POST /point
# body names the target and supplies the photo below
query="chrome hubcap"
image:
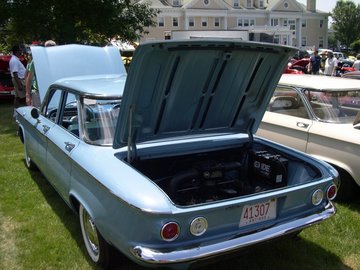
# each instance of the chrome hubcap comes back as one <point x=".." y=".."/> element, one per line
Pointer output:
<point x="90" y="230"/>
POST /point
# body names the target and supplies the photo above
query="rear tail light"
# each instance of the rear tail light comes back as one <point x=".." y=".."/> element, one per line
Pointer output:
<point x="170" y="231"/>
<point x="317" y="197"/>
<point x="331" y="192"/>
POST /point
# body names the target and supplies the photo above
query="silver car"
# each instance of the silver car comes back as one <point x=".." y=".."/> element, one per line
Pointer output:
<point x="162" y="163"/>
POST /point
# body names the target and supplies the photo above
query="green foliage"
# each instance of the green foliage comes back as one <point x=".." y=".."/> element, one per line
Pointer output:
<point x="346" y="16"/>
<point x="4" y="48"/>
<point x="77" y="21"/>
<point x="332" y="42"/>
<point x="4" y="12"/>
<point x="355" y="45"/>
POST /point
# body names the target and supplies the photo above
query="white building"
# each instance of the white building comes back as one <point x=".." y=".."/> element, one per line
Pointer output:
<point x="285" y="22"/>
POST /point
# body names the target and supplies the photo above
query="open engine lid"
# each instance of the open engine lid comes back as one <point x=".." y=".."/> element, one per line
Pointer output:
<point x="197" y="87"/>
<point x="58" y="62"/>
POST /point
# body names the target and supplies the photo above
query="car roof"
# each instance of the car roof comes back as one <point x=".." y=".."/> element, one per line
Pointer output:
<point x="317" y="82"/>
<point x="101" y="86"/>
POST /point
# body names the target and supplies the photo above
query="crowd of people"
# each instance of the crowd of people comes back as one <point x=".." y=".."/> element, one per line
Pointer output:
<point x="24" y="78"/>
<point x="327" y="64"/>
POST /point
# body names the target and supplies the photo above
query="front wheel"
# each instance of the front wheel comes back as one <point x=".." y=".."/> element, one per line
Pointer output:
<point x="96" y="246"/>
<point x="28" y="162"/>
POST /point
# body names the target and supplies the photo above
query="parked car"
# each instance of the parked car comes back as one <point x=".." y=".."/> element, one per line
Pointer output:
<point x="161" y="163"/>
<point x="352" y="75"/>
<point x="344" y="66"/>
<point x="339" y="55"/>
<point x="299" y="65"/>
<point x="319" y="115"/>
<point x="6" y="85"/>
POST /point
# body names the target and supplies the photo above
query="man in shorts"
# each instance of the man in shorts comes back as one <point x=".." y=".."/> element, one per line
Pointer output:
<point x="17" y="71"/>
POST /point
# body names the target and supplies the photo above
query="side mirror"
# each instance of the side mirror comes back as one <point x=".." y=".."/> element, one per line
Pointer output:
<point x="35" y="113"/>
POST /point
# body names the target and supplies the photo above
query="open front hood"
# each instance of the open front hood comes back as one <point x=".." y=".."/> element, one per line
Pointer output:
<point x="58" y="62"/>
<point x="193" y="87"/>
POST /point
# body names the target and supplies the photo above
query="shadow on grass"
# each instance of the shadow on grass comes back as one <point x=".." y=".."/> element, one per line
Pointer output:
<point x="70" y="220"/>
<point x="288" y="253"/>
<point x="7" y="121"/>
<point x="354" y="203"/>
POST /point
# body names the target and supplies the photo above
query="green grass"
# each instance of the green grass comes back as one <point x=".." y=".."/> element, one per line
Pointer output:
<point x="39" y="231"/>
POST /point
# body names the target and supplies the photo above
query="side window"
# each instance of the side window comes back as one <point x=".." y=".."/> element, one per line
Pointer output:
<point x="69" y="116"/>
<point x="287" y="101"/>
<point x="52" y="108"/>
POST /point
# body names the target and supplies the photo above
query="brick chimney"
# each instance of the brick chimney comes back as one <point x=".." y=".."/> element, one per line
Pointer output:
<point x="311" y="5"/>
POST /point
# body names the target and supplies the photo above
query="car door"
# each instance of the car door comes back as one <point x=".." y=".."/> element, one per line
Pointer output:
<point x="61" y="143"/>
<point x="36" y="135"/>
<point x="286" y="120"/>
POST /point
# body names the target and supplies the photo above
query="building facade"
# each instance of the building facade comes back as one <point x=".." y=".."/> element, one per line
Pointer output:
<point x="285" y="22"/>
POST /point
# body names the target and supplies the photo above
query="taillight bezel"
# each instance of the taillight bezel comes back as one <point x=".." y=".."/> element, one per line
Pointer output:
<point x="163" y="232"/>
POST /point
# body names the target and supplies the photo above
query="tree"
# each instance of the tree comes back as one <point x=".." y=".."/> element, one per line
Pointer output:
<point x="78" y="21"/>
<point x="356" y="45"/>
<point x="346" y="16"/>
<point x="4" y="12"/>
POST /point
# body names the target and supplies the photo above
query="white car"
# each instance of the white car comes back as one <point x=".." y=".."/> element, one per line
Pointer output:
<point x="319" y="115"/>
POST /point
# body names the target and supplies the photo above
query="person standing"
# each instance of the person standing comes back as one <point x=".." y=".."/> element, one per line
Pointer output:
<point x="32" y="93"/>
<point x="356" y="64"/>
<point x="17" y="71"/>
<point x="315" y="63"/>
<point x="330" y="65"/>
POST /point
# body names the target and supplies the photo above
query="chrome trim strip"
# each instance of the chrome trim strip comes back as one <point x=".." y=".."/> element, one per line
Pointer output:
<point x="153" y="256"/>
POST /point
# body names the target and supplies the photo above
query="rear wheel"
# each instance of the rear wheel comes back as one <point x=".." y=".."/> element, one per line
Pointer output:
<point x="96" y="246"/>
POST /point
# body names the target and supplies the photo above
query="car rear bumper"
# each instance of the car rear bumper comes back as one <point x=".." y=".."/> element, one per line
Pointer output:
<point x="152" y="256"/>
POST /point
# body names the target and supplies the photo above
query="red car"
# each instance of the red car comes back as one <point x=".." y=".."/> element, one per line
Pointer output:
<point x="6" y="86"/>
<point x="296" y="66"/>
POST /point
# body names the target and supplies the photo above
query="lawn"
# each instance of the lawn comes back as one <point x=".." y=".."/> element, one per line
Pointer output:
<point x="39" y="231"/>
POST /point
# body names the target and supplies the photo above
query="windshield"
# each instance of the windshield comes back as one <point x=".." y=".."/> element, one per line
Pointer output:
<point x="335" y="106"/>
<point x="100" y="117"/>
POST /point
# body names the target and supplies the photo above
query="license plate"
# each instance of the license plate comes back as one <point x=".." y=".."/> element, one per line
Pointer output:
<point x="259" y="212"/>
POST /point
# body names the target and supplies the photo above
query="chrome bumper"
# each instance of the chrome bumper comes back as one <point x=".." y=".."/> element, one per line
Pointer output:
<point x="153" y="256"/>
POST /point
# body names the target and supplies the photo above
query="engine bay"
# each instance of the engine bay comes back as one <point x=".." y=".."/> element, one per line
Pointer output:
<point x="224" y="174"/>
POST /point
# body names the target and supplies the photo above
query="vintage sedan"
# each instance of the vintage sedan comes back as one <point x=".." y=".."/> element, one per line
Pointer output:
<point x="162" y="163"/>
<point x="319" y="115"/>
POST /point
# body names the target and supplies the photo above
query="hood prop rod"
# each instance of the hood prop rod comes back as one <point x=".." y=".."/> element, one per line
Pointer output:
<point x="131" y="148"/>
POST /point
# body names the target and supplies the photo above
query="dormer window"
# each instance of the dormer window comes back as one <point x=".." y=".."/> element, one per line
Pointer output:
<point x="236" y="3"/>
<point x="176" y="2"/>
<point x="249" y="4"/>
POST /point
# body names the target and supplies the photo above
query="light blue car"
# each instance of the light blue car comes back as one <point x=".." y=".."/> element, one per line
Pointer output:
<point x="161" y="163"/>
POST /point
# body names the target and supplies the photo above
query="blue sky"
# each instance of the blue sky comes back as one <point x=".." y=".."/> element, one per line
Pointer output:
<point x="326" y="5"/>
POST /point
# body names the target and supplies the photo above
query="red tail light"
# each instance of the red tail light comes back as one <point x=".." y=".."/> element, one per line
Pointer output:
<point x="170" y="231"/>
<point x="331" y="192"/>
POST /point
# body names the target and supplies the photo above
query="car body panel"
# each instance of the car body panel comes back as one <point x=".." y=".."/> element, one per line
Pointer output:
<point x="177" y="174"/>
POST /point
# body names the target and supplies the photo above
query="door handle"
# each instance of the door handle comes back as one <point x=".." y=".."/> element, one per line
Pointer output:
<point x="69" y="146"/>
<point x="302" y="125"/>
<point x="45" y="128"/>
